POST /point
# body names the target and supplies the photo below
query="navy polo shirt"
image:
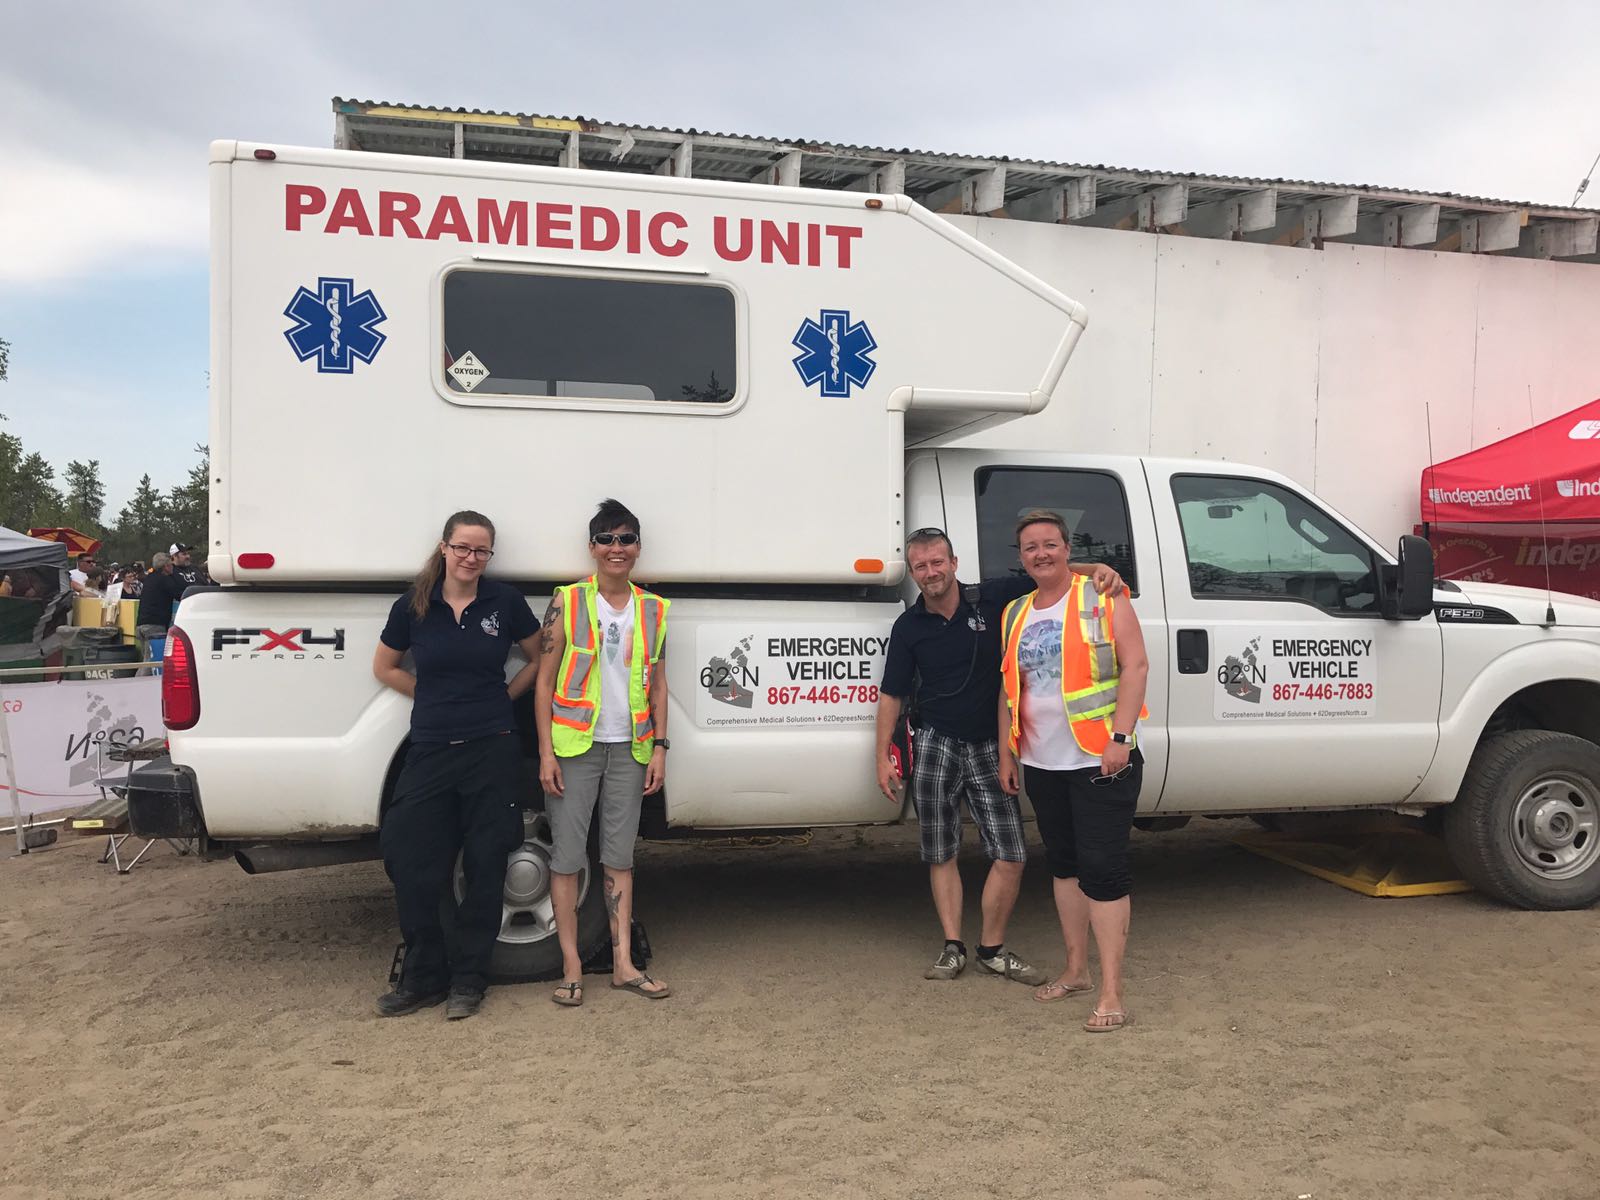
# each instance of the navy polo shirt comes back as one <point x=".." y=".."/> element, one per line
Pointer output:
<point x="461" y="666"/>
<point x="954" y="665"/>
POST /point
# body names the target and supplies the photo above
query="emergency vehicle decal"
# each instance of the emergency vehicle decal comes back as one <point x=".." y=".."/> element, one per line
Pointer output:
<point x="335" y="325"/>
<point x="789" y="675"/>
<point x="1289" y="678"/>
<point x="834" y="352"/>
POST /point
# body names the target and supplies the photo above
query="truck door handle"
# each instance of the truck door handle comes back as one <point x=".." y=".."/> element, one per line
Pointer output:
<point x="1193" y="652"/>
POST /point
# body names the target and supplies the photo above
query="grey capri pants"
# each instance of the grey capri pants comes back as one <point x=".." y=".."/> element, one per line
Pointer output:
<point x="607" y="776"/>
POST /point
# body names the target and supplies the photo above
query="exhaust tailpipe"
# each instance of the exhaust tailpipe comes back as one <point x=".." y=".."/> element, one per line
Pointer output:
<point x="296" y="856"/>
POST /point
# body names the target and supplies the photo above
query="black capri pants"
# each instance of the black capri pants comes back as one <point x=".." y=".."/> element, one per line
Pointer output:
<point x="1086" y="825"/>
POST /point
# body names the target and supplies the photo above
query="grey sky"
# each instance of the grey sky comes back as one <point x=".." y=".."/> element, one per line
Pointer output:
<point x="110" y="107"/>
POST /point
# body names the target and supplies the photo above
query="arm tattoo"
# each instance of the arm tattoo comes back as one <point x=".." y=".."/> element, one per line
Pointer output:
<point x="548" y="627"/>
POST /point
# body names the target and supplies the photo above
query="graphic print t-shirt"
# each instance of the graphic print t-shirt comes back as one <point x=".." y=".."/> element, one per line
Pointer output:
<point x="1047" y="739"/>
<point x="615" y="721"/>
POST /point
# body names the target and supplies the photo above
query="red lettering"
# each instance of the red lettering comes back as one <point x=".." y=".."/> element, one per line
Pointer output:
<point x="843" y="235"/>
<point x="552" y="229"/>
<point x="590" y="221"/>
<point x="398" y="209"/>
<point x="719" y="234"/>
<point x="301" y="200"/>
<point x="448" y="218"/>
<point x="786" y="245"/>
<point x="659" y="244"/>
<point x="633" y="231"/>
<point x="813" y="245"/>
<point x="348" y="213"/>
<point x="503" y="227"/>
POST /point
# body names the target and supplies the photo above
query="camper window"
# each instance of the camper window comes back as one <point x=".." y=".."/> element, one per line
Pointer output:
<point x="588" y="339"/>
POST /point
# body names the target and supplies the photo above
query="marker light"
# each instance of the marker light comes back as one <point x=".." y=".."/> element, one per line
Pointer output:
<point x="266" y="155"/>
<point x="873" y="203"/>
<point x="254" y="562"/>
<point x="869" y="566"/>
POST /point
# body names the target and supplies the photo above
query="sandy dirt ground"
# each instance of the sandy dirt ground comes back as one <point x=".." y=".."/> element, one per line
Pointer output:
<point x="189" y="1031"/>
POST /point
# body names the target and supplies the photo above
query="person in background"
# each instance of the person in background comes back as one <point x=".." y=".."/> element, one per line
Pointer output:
<point x="464" y="779"/>
<point x="79" y="574"/>
<point x="94" y="583"/>
<point x="132" y="581"/>
<point x="943" y="660"/>
<point x="183" y="567"/>
<point x="602" y="721"/>
<point x="1073" y="673"/>
<point x="160" y="594"/>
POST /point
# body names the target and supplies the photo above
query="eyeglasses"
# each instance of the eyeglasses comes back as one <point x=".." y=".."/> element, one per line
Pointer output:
<point x="463" y="551"/>
<point x="927" y="531"/>
<point x="621" y="539"/>
<point x="1109" y="779"/>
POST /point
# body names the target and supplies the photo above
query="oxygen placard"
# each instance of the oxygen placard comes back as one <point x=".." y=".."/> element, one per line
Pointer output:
<point x="778" y="676"/>
<point x="1288" y="678"/>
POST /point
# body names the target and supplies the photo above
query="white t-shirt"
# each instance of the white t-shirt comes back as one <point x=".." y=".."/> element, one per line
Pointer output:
<point x="614" y="723"/>
<point x="1047" y="739"/>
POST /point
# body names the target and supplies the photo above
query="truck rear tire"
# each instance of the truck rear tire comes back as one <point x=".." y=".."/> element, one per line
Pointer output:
<point x="527" y="949"/>
<point x="1525" y="827"/>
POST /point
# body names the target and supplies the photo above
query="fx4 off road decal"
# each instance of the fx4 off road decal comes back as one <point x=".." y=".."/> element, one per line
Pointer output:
<point x="296" y="645"/>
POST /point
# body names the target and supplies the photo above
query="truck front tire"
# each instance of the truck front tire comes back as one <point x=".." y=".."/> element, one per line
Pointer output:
<point x="1525" y="828"/>
<point x="527" y="949"/>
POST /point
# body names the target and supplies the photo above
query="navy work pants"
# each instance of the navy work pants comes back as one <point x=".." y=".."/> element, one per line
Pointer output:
<point x="461" y="798"/>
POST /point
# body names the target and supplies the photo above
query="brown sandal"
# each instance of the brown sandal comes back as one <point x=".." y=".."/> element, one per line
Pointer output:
<point x="639" y="985"/>
<point x="1121" y="1016"/>
<point x="573" y="997"/>
<point x="1056" y="990"/>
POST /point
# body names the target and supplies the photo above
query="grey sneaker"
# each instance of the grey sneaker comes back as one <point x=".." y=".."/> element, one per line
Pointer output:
<point x="1009" y="966"/>
<point x="950" y="963"/>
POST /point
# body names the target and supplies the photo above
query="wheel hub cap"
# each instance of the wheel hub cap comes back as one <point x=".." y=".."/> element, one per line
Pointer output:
<point x="1555" y="826"/>
<point x="527" y="876"/>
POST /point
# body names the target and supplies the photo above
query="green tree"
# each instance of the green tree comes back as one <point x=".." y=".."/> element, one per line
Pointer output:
<point x="85" y="496"/>
<point x="188" y="505"/>
<point x="32" y="498"/>
<point x="141" y="527"/>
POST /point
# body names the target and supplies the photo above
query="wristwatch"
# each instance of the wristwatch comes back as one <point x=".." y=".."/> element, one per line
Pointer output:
<point x="1126" y="739"/>
<point x="664" y="743"/>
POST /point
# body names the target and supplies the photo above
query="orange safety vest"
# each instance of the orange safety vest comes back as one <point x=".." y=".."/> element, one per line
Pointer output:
<point x="1088" y="665"/>
<point x="577" y="694"/>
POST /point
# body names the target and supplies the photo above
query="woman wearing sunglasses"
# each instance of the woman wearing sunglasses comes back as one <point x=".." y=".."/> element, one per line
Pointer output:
<point x="601" y="709"/>
<point x="1074" y="671"/>
<point x="463" y="781"/>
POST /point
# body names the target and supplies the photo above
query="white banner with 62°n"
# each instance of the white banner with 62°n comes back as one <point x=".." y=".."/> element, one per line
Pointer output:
<point x="60" y="733"/>
<point x="775" y="676"/>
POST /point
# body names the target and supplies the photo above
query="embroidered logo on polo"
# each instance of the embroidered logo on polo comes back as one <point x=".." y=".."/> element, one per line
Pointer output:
<point x="336" y="325"/>
<point x="834" y="352"/>
<point x="491" y="624"/>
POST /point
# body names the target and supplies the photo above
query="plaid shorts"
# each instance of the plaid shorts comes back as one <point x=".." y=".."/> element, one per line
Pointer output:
<point x="945" y="769"/>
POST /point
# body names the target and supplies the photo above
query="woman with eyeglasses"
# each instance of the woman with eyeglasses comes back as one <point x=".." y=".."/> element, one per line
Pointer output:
<point x="461" y="787"/>
<point x="1073" y="676"/>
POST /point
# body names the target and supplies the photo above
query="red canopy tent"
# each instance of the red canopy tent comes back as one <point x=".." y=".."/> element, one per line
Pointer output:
<point x="75" y="542"/>
<point x="1522" y="507"/>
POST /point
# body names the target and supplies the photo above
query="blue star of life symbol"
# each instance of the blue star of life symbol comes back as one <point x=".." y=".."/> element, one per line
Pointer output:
<point x="834" y="352"/>
<point x="335" y="324"/>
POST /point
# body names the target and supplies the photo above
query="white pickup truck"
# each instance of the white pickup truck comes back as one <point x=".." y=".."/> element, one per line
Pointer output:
<point x="1295" y="665"/>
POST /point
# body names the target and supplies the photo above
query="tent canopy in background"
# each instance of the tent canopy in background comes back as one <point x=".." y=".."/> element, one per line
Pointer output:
<point x="75" y="542"/>
<point x="1524" y="510"/>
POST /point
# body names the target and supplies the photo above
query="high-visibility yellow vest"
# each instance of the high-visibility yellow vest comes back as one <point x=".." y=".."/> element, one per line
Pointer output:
<point x="1089" y="668"/>
<point x="577" y="694"/>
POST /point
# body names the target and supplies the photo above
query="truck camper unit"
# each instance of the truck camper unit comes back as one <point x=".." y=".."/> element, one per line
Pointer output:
<point x="399" y="337"/>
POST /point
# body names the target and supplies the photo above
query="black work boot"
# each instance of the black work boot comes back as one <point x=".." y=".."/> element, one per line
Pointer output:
<point x="402" y="1001"/>
<point x="464" y="1002"/>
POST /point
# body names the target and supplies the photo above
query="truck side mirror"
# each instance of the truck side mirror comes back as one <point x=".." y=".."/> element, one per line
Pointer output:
<point x="1414" y="582"/>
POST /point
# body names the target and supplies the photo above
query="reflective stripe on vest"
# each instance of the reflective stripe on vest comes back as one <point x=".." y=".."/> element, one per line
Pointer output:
<point x="1089" y="675"/>
<point x="576" y="704"/>
<point x="573" y="707"/>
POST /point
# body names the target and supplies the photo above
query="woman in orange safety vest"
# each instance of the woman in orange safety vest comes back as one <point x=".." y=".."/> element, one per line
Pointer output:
<point x="1074" y="673"/>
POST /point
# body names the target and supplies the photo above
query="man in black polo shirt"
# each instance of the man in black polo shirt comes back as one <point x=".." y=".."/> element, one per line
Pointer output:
<point x="946" y="647"/>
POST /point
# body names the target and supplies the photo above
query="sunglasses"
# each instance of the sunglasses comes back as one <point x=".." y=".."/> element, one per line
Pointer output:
<point x="621" y="539"/>
<point x="1098" y="780"/>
